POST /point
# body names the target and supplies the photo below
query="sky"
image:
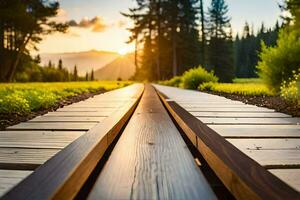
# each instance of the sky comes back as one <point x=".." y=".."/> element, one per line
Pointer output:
<point x="98" y="24"/>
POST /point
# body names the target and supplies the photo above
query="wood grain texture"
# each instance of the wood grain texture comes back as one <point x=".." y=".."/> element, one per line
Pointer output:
<point x="61" y="126"/>
<point x="257" y="131"/>
<point x="25" y="159"/>
<point x="240" y="114"/>
<point x="291" y="176"/>
<point x="80" y="114"/>
<point x="10" y="178"/>
<point x="245" y="178"/>
<point x="249" y="121"/>
<point x="233" y="110"/>
<point x="38" y="139"/>
<point x="151" y="160"/>
<point x="62" y="176"/>
<point x="67" y="119"/>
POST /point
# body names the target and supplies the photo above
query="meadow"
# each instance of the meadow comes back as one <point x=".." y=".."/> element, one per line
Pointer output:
<point x="247" y="87"/>
<point x="28" y="97"/>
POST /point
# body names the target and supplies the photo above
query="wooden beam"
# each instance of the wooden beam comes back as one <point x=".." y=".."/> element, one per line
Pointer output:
<point x="243" y="177"/>
<point x="63" y="175"/>
<point x="151" y="160"/>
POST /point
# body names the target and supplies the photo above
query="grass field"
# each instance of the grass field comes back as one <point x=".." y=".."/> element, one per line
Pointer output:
<point x="27" y="97"/>
<point x="242" y="88"/>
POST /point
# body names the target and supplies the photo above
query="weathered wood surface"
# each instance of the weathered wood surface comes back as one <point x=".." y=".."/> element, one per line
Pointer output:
<point x="9" y="178"/>
<point x="61" y="126"/>
<point x="291" y="176"/>
<point x="23" y="158"/>
<point x="214" y="109"/>
<point x="244" y="177"/>
<point x="67" y="119"/>
<point x="240" y="114"/>
<point x="80" y="114"/>
<point x="38" y="139"/>
<point x="249" y="121"/>
<point x="257" y="131"/>
<point x="151" y="160"/>
<point x="63" y="175"/>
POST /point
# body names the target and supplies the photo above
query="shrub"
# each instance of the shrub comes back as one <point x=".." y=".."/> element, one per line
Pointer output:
<point x="175" y="81"/>
<point x="192" y="78"/>
<point x="290" y="90"/>
<point x="278" y="63"/>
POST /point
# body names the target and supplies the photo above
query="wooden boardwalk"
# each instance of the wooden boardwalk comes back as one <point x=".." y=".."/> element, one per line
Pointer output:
<point x="271" y="139"/>
<point x="26" y="146"/>
<point x="125" y="145"/>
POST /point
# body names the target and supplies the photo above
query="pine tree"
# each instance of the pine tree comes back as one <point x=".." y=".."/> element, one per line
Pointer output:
<point x="220" y="43"/>
<point x="75" y="73"/>
<point x="60" y="64"/>
<point x="92" y="75"/>
<point x="87" y="76"/>
<point x="170" y="37"/>
<point x="50" y="65"/>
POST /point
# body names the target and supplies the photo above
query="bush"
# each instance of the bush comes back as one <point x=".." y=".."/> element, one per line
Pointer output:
<point x="290" y="90"/>
<point x="175" y="81"/>
<point x="192" y="78"/>
<point x="278" y="63"/>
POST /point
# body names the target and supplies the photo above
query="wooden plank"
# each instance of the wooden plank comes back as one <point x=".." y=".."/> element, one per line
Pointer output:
<point x="221" y="105"/>
<point x="23" y="158"/>
<point x="156" y="164"/>
<point x="38" y="139"/>
<point x="249" y="121"/>
<point x="243" y="177"/>
<point x="80" y="114"/>
<point x="271" y="159"/>
<point x="257" y="131"/>
<point x="10" y="178"/>
<point x="266" y="144"/>
<point x="240" y="114"/>
<point x="80" y="109"/>
<point x="290" y="176"/>
<point x="66" y="119"/>
<point x="62" y="126"/>
<point x="239" y="110"/>
<point x="71" y="167"/>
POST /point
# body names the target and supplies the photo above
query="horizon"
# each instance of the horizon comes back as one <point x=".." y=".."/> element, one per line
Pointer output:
<point x="97" y="23"/>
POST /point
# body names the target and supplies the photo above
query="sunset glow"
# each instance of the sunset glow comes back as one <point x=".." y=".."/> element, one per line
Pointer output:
<point x="99" y="25"/>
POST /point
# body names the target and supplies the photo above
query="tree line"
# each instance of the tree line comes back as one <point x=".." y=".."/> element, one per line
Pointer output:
<point x="176" y="35"/>
<point x="33" y="71"/>
<point x="247" y="48"/>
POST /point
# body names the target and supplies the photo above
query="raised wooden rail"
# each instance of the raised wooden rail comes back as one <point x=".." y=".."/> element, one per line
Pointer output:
<point x="243" y="177"/>
<point x="63" y="176"/>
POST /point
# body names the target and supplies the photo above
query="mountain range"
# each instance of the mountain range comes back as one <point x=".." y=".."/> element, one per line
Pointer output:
<point x="85" y="61"/>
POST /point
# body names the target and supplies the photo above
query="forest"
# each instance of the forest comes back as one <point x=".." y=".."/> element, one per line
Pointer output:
<point x="174" y="36"/>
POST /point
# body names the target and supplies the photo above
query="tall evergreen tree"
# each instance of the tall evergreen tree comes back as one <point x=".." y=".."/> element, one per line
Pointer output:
<point x="24" y="22"/>
<point x="170" y="37"/>
<point x="75" y="74"/>
<point x="92" y="75"/>
<point x="60" y="64"/>
<point x="86" y="76"/>
<point x="220" y="41"/>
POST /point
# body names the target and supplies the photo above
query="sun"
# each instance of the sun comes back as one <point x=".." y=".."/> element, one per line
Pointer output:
<point x="123" y="51"/>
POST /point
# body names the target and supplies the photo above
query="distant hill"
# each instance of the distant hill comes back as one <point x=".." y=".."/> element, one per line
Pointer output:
<point x="122" y="67"/>
<point x="85" y="61"/>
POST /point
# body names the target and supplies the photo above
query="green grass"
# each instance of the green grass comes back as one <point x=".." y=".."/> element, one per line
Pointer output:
<point x="27" y="97"/>
<point x="249" y="89"/>
<point x="247" y="80"/>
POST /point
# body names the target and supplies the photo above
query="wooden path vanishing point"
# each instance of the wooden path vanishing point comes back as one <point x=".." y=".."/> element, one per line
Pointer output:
<point x="153" y="142"/>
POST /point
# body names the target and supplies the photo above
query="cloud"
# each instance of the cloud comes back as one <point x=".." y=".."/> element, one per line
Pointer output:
<point x="122" y="24"/>
<point x="62" y="16"/>
<point x="96" y="24"/>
